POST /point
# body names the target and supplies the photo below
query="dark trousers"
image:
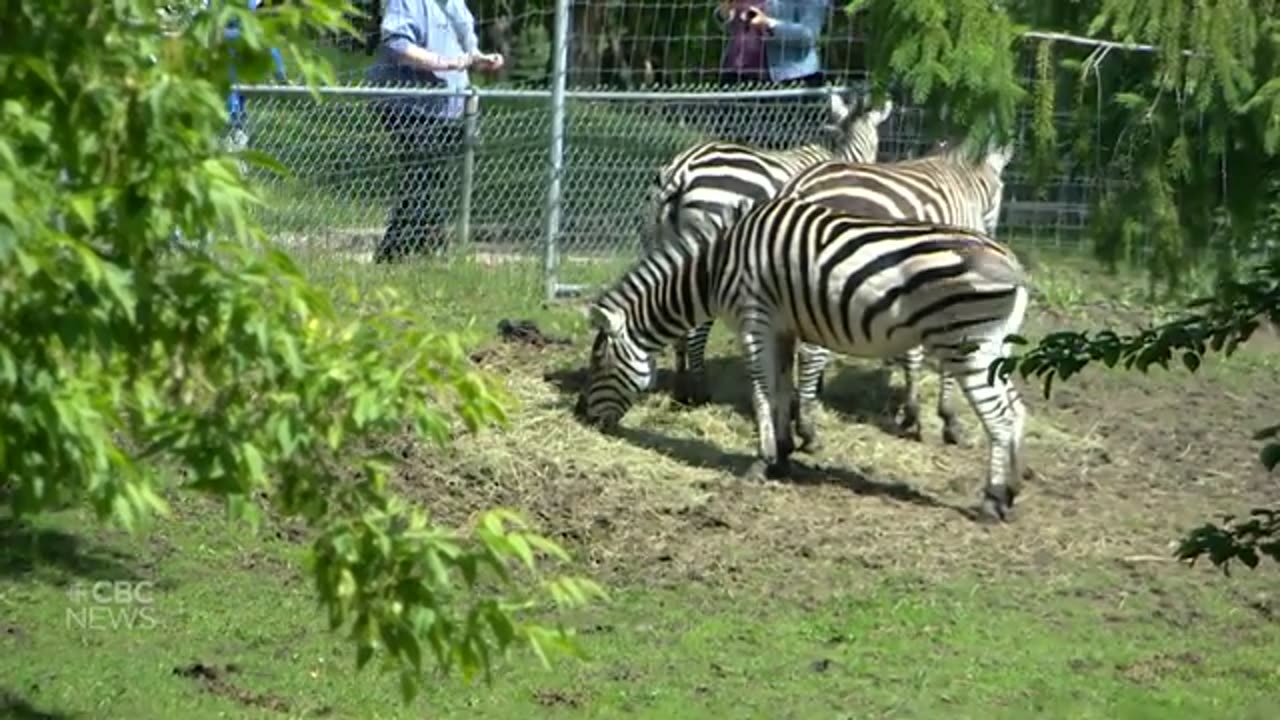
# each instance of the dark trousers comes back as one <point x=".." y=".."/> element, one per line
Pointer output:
<point x="427" y="151"/>
<point x="772" y="122"/>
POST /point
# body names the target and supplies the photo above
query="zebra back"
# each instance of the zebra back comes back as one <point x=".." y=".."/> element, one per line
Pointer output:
<point x="710" y="176"/>
<point x="850" y="283"/>
<point x="943" y="187"/>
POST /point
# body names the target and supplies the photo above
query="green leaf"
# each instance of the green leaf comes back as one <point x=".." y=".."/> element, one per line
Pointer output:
<point x="83" y="208"/>
<point x="1267" y="432"/>
<point x="1191" y="361"/>
<point x="409" y="686"/>
<point x="520" y="547"/>
<point x="1270" y="456"/>
<point x="253" y="462"/>
<point x="263" y="161"/>
<point x="364" y="653"/>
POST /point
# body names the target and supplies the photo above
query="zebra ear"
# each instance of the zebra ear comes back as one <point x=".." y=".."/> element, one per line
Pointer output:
<point x="882" y="113"/>
<point x="839" y="108"/>
<point x="999" y="156"/>
<point x="610" y="321"/>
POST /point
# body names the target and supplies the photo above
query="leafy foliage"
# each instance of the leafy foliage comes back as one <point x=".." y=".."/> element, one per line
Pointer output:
<point x="1245" y="541"/>
<point x="126" y="350"/>
<point x="1185" y="133"/>
<point x="956" y="59"/>
<point x="1221" y="322"/>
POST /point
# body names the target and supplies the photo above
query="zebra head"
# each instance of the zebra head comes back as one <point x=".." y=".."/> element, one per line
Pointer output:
<point x="856" y="128"/>
<point x="619" y="370"/>
<point x="998" y="156"/>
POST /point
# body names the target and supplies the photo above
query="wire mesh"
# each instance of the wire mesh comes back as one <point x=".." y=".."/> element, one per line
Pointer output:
<point x="349" y="174"/>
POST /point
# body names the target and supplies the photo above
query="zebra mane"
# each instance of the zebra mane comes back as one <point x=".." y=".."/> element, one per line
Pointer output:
<point x="960" y="151"/>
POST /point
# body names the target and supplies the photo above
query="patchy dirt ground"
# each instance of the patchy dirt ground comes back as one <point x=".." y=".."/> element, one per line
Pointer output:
<point x="1125" y="465"/>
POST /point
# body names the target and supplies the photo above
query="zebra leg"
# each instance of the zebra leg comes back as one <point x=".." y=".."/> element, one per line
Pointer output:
<point x="951" y="433"/>
<point x="785" y="397"/>
<point x="909" y="426"/>
<point x="1003" y="418"/>
<point x="681" y="368"/>
<point x="759" y="347"/>
<point x="813" y="362"/>
<point x="1018" y="468"/>
<point x="691" y="382"/>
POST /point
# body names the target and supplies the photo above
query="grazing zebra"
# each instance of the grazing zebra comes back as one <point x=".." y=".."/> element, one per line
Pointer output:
<point x="946" y="187"/>
<point x="790" y="270"/>
<point x="715" y="176"/>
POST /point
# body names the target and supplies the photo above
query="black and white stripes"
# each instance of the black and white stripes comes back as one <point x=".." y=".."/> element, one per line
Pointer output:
<point x="712" y="177"/>
<point x="947" y="187"/>
<point x="791" y="270"/>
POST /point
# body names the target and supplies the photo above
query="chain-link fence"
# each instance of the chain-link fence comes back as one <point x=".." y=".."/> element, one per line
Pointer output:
<point x="498" y="186"/>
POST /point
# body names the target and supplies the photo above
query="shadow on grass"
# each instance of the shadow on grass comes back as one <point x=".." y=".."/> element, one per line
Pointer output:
<point x="25" y="550"/>
<point x="15" y="707"/>
<point x="857" y="393"/>
<point x="697" y="453"/>
<point x="853" y="393"/>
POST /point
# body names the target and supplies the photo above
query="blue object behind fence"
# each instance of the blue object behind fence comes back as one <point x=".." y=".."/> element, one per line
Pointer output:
<point x="235" y="101"/>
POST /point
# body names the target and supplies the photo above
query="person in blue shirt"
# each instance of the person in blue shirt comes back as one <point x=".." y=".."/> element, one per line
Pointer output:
<point x="425" y="43"/>
<point x="238" y="131"/>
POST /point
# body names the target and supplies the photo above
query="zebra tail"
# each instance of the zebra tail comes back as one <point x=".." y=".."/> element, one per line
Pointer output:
<point x="1001" y="266"/>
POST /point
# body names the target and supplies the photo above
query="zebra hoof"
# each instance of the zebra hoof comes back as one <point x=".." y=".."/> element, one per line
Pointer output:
<point x="909" y="426"/>
<point x="997" y="504"/>
<point x="951" y="436"/>
<point x="809" y="442"/>
<point x="911" y="432"/>
<point x="757" y="473"/>
<point x="762" y="471"/>
<point x="786" y="447"/>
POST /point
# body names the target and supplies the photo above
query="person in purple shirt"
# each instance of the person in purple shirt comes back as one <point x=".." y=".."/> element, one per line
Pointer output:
<point x="772" y="43"/>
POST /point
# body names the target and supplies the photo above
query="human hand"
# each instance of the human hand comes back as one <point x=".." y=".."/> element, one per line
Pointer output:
<point x="758" y="21"/>
<point x="488" y="62"/>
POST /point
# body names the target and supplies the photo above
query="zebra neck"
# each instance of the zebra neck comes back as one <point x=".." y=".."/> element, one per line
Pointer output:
<point x="666" y="296"/>
<point x="825" y="149"/>
<point x="848" y="151"/>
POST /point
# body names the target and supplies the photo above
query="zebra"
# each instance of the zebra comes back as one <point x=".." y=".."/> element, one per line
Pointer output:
<point x="943" y="187"/>
<point x="790" y="270"/>
<point x="713" y="176"/>
<point x="946" y="187"/>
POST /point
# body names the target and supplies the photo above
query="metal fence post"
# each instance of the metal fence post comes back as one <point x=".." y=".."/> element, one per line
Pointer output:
<point x="559" y="70"/>
<point x="470" y="134"/>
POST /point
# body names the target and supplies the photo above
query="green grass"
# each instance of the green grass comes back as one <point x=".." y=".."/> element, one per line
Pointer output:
<point x="1085" y="644"/>
<point x="855" y="592"/>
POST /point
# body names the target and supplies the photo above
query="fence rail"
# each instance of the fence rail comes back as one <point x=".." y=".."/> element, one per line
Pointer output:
<point x="518" y="194"/>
